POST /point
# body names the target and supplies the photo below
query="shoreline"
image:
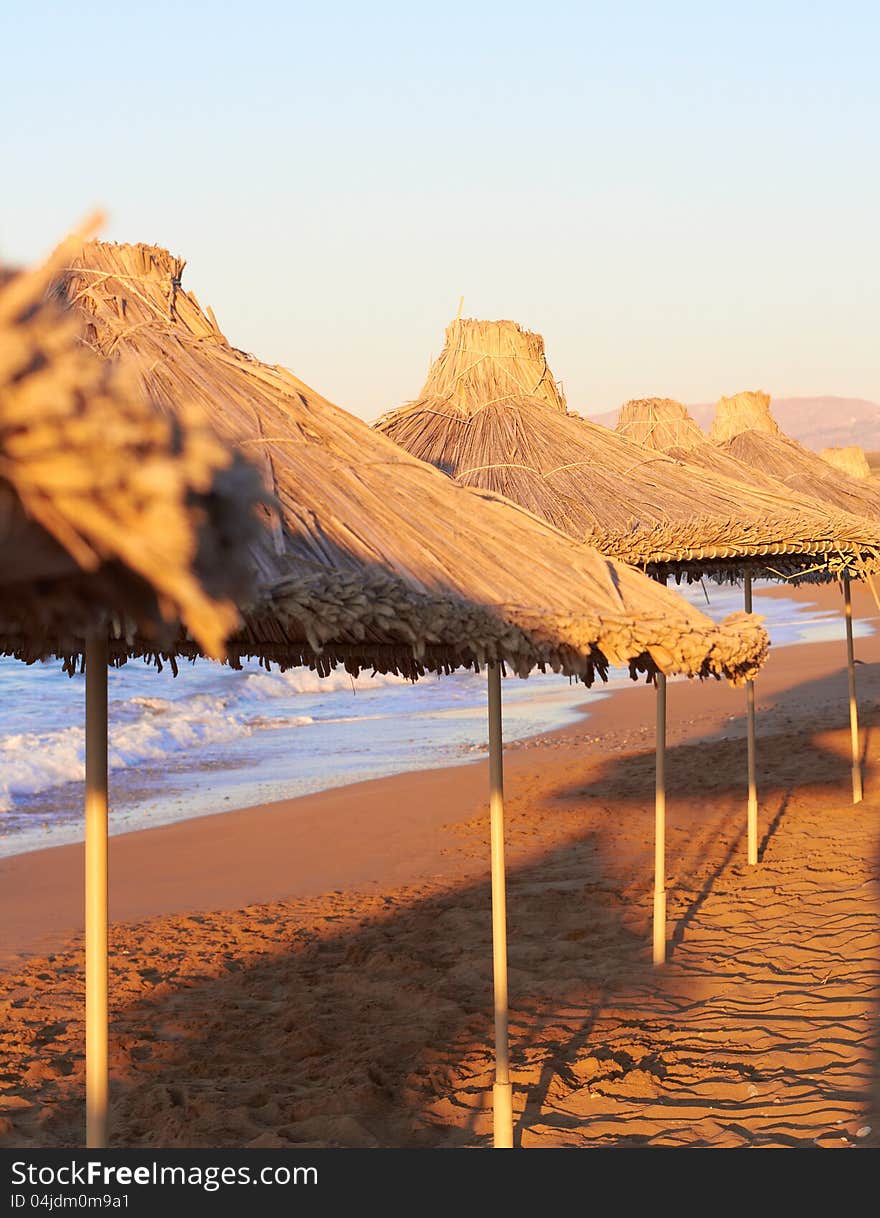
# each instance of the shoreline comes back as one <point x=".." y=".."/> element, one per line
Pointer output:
<point x="381" y="832"/>
<point x="258" y="770"/>
<point x="154" y="808"/>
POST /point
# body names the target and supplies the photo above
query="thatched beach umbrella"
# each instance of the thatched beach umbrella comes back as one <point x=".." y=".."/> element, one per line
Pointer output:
<point x="665" y="425"/>
<point x="491" y="416"/>
<point x="852" y="460"/>
<point x="849" y="460"/>
<point x="744" y="427"/>
<point x="810" y="488"/>
<point x="659" y="423"/>
<point x="374" y="559"/>
<point x="492" y="424"/>
<point x="351" y="510"/>
<point x="113" y="518"/>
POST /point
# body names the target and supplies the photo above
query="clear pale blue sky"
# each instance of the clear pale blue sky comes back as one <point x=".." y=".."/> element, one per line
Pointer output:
<point x="683" y="198"/>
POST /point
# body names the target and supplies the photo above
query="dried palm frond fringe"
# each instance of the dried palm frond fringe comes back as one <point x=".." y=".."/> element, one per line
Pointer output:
<point x="644" y="508"/>
<point x="107" y="504"/>
<point x="383" y="627"/>
<point x="370" y="558"/>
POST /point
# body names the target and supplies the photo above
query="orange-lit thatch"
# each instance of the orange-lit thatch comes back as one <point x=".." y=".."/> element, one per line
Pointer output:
<point x="493" y="425"/>
<point x="666" y="425"/>
<point x="107" y="505"/>
<point x="660" y="423"/>
<point x="850" y="460"/>
<point x="745" y="428"/>
<point x="374" y="558"/>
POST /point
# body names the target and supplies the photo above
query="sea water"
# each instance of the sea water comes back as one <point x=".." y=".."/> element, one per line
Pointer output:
<point x="212" y="739"/>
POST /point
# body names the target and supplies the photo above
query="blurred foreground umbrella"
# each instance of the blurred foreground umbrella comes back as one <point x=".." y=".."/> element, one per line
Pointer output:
<point x="114" y="518"/>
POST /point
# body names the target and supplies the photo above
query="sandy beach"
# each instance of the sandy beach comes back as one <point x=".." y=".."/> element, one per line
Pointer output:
<point x="317" y="971"/>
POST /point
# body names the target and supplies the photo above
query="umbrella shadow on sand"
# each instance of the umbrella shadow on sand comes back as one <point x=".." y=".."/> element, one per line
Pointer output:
<point x="803" y="920"/>
<point x="350" y="1021"/>
<point x="803" y="753"/>
<point x="363" y="1020"/>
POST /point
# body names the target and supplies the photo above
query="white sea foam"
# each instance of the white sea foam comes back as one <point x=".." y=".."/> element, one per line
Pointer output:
<point x="304" y="681"/>
<point x="145" y="728"/>
<point x="141" y="730"/>
<point x="32" y="762"/>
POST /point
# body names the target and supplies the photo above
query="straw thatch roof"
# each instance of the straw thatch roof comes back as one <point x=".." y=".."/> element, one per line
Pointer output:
<point x="107" y="506"/>
<point x="374" y="558"/>
<point x="745" y="428"/>
<point x="666" y="425"/>
<point x="491" y="361"/>
<point x="484" y="430"/>
<point x="747" y="411"/>
<point x="850" y="460"/>
<point x="659" y="423"/>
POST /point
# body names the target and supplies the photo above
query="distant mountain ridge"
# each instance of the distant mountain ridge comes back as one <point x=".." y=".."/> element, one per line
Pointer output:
<point x="822" y="422"/>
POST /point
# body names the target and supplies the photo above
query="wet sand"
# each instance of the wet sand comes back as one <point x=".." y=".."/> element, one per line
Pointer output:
<point x="316" y="971"/>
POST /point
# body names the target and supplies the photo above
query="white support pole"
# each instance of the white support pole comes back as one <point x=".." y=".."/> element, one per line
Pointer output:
<point x="97" y="1088"/>
<point x="853" y="704"/>
<point x="660" y="826"/>
<point x="750" y="735"/>
<point x="502" y="1091"/>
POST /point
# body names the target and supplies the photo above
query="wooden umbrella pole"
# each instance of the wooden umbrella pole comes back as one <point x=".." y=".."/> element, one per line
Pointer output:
<point x="853" y="704"/>
<point x="660" y="826"/>
<point x="502" y="1092"/>
<point x="750" y="734"/>
<point x="97" y="1088"/>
